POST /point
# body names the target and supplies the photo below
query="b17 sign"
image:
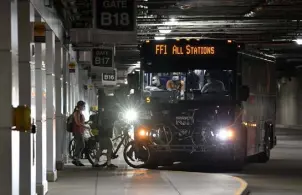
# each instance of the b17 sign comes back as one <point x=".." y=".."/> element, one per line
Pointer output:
<point x="116" y="18"/>
<point x="102" y="57"/>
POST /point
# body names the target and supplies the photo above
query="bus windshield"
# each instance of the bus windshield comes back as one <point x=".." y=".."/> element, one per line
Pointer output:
<point x="190" y="85"/>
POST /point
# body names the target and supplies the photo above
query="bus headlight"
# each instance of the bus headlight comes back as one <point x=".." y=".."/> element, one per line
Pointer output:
<point x="225" y="134"/>
<point x="130" y="115"/>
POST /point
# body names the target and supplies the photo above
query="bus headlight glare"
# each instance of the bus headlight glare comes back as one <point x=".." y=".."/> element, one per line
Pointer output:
<point x="130" y="115"/>
<point x="225" y="134"/>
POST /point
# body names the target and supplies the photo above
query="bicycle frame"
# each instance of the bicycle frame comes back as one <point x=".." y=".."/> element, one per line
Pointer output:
<point x="124" y="136"/>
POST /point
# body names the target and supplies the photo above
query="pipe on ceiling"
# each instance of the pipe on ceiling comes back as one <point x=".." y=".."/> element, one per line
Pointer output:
<point x="260" y="56"/>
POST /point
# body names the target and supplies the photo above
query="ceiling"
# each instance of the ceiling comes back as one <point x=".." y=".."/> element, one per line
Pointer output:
<point x="266" y="26"/>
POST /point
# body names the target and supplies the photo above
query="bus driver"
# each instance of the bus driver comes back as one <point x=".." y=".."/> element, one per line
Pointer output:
<point x="213" y="85"/>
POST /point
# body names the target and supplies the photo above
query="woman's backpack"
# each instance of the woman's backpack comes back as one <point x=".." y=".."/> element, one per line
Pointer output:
<point x="69" y="124"/>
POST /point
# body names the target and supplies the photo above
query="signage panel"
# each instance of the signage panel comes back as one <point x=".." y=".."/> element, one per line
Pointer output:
<point x="116" y="18"/>
<point x="72" y="67"/>
<point x="39" y="32"/>
<point x="109" y="78"/>
<point x="187" y="49"/>
<point x="180" y="55"/>
<point x="102" y="57"/>
<point x="115" y="15"/>
<point x="84" y="17"/>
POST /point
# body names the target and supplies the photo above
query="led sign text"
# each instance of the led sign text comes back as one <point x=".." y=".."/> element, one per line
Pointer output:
<point x="163" y="49"/>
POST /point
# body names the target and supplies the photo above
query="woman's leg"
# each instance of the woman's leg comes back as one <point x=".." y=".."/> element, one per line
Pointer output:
<point x="109" y="153"/>
<point x="80" y="145"/>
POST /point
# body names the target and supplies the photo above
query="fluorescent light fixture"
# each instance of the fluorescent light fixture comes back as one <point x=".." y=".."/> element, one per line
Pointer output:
<point x="164" y="31"/>
<point x="138" y="64"/>
<point x="159" y="38"/>
<point x="172" y="20"/>
<point x="299" y="41"/>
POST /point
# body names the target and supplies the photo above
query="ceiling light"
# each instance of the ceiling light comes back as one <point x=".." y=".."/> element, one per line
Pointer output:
<point x="299" y="41"/>
<point x="164" y="31"/>
<point x="138" y="64"/>
<point x="160" y="38"/>
<point x="172" y="20"/>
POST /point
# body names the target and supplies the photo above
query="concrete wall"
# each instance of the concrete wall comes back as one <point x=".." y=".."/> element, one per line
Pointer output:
<point x="289" y="102"/>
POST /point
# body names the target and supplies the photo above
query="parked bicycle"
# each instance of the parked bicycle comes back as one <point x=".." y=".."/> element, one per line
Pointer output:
<point x="89" y="152"/>
<point x="92" y="145"/>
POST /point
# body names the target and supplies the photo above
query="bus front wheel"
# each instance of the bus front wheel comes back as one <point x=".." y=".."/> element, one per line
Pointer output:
<point x="264" y="156"/>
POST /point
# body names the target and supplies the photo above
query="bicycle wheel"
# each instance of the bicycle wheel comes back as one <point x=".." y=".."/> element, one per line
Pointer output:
<point x="136" y="153"/>
<point x="202" y="136"/>
<point x="71" y="148"/>
<point x="164" y="133"/>
<point x="91" y="153"/>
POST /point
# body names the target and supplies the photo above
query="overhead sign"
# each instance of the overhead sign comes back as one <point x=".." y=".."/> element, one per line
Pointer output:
<point x="178" y="55"/>
<point x="84" y="17"/>
<point x="164" y="49"/>
<point x="109" y="78"/>
<point x="72" y="67"/>
<point x="188" y="48"/>
<point x="39" y="32"/>
<point x="116" y="18"/>
<point x="102" y="57"/>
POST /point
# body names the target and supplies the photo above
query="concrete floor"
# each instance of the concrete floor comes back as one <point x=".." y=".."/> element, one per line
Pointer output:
<point x="282" y="175"/>
<point x="91" y="181"/>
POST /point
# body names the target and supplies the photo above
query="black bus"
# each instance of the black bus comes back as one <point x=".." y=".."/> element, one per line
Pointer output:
<point x="203" y="100"/>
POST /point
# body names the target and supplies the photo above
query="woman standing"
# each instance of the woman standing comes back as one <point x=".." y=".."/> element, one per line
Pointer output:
<point x="78" y="130"/>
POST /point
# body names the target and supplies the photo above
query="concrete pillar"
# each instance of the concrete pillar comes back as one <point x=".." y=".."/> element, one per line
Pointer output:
<point x="42" y="184"/>
<point x="60" y="128"/>
<point x="9" y="140"/>
<point x="69" y="93"/>
<point x="50" y="106"/>
<point x="68" y="84"/>
<point x="72" y="88"/>
<point x="66" y="111"/>
<point x="27" y="140"/>
<point x="288" y="103"/>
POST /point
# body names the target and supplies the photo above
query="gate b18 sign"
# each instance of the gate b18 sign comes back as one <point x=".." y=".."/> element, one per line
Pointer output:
<point x="116" y="17"/>
<point x="102" y="57"/>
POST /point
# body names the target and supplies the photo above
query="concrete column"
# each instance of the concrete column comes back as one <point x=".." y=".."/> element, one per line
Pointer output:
<point x="27" y="140"/>
<point x="42" y="184"/>
<point x="60" y="128"/>
<point x="69" y="93"/>
<point x="50" y="106"/>
<point x="288" y="103"/>
<point x="66" y="111"/>
<point x="9" y="140"/>
<point x="71" y="87"/>
<point x="67" y="83"/>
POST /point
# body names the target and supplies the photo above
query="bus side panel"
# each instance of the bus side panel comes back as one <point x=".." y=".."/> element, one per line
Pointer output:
<point x="260" y="108"/>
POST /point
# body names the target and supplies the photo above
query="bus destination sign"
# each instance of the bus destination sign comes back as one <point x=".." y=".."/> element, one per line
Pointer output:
<point x="187" y="49"/>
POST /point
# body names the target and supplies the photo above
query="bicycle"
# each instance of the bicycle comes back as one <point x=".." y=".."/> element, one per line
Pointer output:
<point x="124" y="138"/>
<point x="163" y="137"/>
<point x="179" y="134"/>
<point x="88" y="152"/>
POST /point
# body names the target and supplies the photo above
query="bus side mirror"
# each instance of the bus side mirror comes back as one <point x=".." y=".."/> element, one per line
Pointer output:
<point x="244" y="93"/>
